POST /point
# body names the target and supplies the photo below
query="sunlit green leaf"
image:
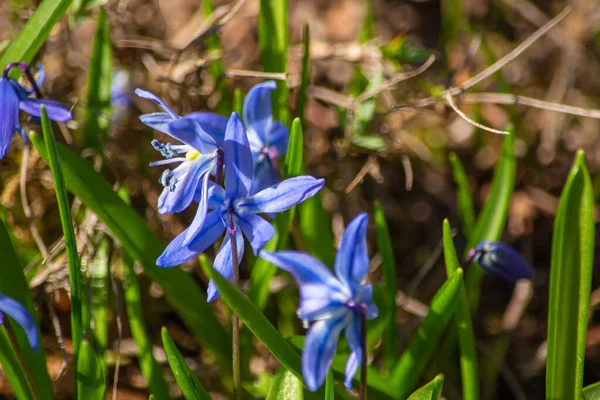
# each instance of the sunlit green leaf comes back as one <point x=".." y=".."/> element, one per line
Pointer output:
<point x="285" y="386"/>
<point x="466" y="208"/>
<point x="431" y="391"/>
<point x="90" y="381"/>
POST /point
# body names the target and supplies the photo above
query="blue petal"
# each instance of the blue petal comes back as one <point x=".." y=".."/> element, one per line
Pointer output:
<point x="149" y="96"/>
<point x="365" y="296"/>
<point x="354" y="339"/>
<point x="319" y="349"/>
<point x="265" y="174"/>
<point x="158" y="121"/>
<point x="352" y="260"/>
<point x="282" y="196"/>
<point x="19" y="313"/>
<point x="56" y="111"/>
<point x="258" y="110"/>
<point x="9" y="114"/>
<point x="215" y="195"/>
<point x="189" y="132"/>
<point x="502" y="261"/>
<point x="186" y="178"/>
<point x="224" y="263"/>
<point x="279" y="138"/>
<point x="40" y="75"/>
<point x="213" y="124"/>
<point x="176" y="253"/>
<point x="238" y="160"/>
<point x="257" y="230"/>
<point x="200" y="216"/>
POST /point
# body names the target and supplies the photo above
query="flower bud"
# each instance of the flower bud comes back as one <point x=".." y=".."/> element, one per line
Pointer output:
<point x="500" y="260"/>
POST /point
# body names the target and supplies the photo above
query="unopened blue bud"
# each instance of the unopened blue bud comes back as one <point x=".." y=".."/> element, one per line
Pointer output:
<point x="500" y="260"/>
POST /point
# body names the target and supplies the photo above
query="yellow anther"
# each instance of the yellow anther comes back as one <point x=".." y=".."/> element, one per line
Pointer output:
<point x="192" y="155"/>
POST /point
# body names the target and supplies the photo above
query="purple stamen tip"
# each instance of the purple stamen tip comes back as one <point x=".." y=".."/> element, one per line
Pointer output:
<point x="470" y="257"/>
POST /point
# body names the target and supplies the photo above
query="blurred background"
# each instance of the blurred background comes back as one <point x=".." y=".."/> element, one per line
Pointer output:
<point x="397" y="156"/>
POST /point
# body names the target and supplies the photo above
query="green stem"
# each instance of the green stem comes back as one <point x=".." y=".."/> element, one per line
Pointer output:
<point x="14" y="342"/>
<point x="235" y="321"/>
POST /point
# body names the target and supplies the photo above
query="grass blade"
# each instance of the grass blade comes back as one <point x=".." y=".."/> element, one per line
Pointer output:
<point x="388" y="262"/>
<point x="13" y="284"/>
<point x="142" y="245"/>
<point x="273" y="43"/>
<point x="55" y="163"/>
<point x="97" y="118"/>
<point x="187" y="381"/>
<point x="570" y="284"/>
<point x="99" y="292"/>
<point x="431" y="391"/>
<point x="285" y="386"/>
<point x="466" y="208"/>
<point x="329" y="388"/>
<point x="90" y="381"/>
<point x="408" y="370"/>
<point x="463" y="324"/>
<point x="591" y="392"/>
<point x="34" y="33"/>
<point x="305" y="77"/>
<point x="133" y="303"/>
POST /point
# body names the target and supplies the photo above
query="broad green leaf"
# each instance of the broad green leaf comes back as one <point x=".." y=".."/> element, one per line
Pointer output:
<point x="285" y="386"/>
<point x="90" y="381"/>
<point x="99" y="292"/>
<point x="369" y="142"/>
<point x="388" y="262"/>
<point x="141" y="244"/>
<point x="570" y="284"/>
<point x="408" y="370"/>
<point x="273" y="43"/>
<point x="591" y="392"/>
<point x="466" y="208"/>
<point x="305" y="77"/>
<point x="462" y="324"/>
<point x="315" y="229"/>
<point x="97" y="115"/>
<point x="29" y="40"/>
<point x="431" y="391"/>
<point x="187" y="381"/>
<point x="491" y="220"/>
<point x="133" y="304"/>
<point x="13" y="284"/>
<point x="256" y="322"/>
<point x="55" y="162"/>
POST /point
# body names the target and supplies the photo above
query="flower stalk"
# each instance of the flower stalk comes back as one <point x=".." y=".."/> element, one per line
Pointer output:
<point x="235" y="321"/>
<point x="363" y="367"/>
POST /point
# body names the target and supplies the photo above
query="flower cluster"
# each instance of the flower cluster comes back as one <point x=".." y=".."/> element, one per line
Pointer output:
<point x="212" y="145"/>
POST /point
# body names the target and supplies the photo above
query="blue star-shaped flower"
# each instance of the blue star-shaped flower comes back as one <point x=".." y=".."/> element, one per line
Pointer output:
<point x="19" y="313"/>
<point x="333" y="303"/>
<point x="500" y="260"/>
<point x="268" y="139"/>
<point x="235" y="209"/>
<point x="198" y="155"/>
<point x="14" y="97"/>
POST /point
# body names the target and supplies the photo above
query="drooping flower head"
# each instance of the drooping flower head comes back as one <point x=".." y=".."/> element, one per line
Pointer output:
<point x="500" y="260"/>
<point x="268" y="139"/>
<point x="332" y="303"/>
<point x="14" y="97"/>
<point x="235" y="210"/>
<point x="19" y="313"/>
<point x="197" y="155"/>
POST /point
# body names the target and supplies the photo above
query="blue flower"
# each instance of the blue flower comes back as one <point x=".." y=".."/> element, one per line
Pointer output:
<point x="500" y="260"/>
<point x="268" y="139"/>
<point x="19" y="313"/>
<point x="120" y="95"/>
<point x="14" y="97"/>
<point x="333" y="303"/>
<point x="198" y="156"/>
<point x="235" y="209"/>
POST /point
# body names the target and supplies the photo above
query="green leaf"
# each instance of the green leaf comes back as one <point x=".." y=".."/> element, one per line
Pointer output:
<point x="490" y="224"/>
<point x="453" y="20"/>
<point x="133" y="304"/>
<point x="408" y="370"/>
<point x="570" y="284"/>
<point x="90" y="381"/>
<point x="366" y="110"/>
<point x="55" y="162"/>
<point x="462" y="324"/>
<point x="187" y="381"/>
<point x="261" y="276"/>
<point x="388" y="263"/>
<point x="315" y="229"/>
<point x="13" y="284"/>
<point x="256" y="322"/>
<point x="304" y="77"/>
<point x="285" y="386"/>
<point x="34" y="33"/>
<point x="238" y="102"/>
<point x="99" y="291"/>
<point x="97" y="115"/>
<point x="466" y="209"/>
<point x="431" y="391"/>
<point x="273" y="43"/>
<point x="329" y="388"/>
<point x="591" y="392"/>
<point x="140" y="243"/>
